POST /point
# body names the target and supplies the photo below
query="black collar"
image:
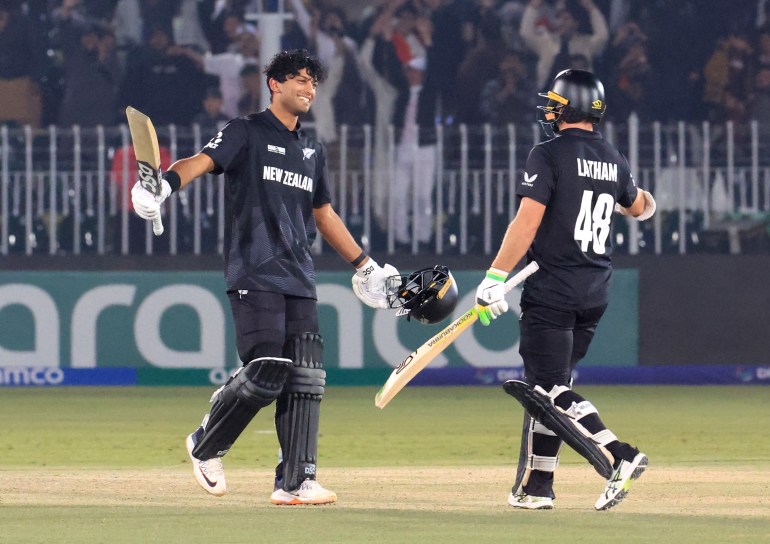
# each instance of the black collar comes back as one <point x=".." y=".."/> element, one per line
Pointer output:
<point x="580" y="133"/>
<point x="270" y="116"/>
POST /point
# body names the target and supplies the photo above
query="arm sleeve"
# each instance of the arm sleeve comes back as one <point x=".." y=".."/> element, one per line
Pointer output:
<point x="599" y="32"/>
<point x="366" y="63"/>
<point x="539" y="177"/>
<point x="627" y="191"/>
<point x="225" y="149"/>
<point x="302" y="16"/>
<point x="224" y="65"/>
<point x="529" y="34"/>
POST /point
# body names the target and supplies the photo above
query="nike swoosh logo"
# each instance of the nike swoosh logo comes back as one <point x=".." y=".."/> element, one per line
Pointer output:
<point x="211" y="484"/>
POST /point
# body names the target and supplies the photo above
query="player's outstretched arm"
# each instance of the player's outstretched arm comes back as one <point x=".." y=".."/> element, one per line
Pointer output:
<point x="192" y="167"/>
<point x="370" y="279"/>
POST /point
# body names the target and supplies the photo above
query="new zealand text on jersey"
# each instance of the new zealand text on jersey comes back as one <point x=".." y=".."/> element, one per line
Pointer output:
<point x="292" y="179"/>
<point x="606" y="171"/>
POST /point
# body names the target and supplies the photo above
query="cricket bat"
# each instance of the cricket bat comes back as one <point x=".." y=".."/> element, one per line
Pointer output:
<point x="147" y="154"/>
<point x="422" y="356"/>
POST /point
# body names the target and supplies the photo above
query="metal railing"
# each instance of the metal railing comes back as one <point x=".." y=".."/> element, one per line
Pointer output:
<point x="66" y="191"/>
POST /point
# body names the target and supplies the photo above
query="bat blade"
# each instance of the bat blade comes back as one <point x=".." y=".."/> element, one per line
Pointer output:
<point x="422" y="356"/>
<point x="147" y="153"/>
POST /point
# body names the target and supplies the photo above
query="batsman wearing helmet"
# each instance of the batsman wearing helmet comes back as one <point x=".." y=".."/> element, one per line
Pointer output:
<point x="277" y="199"/>
<point x="571" y="186"/>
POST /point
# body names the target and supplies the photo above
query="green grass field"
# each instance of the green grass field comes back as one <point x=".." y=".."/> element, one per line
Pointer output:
<point x="109" y="465"/>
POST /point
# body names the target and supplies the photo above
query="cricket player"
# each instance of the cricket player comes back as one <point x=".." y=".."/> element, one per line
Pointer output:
<point x="277" y="199"/>
<point x="572" y="184"/>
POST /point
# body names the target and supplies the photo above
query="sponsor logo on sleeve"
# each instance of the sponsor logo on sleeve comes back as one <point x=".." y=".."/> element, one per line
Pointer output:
<point x="215" y="141"/>
<point x="529" y="181"/>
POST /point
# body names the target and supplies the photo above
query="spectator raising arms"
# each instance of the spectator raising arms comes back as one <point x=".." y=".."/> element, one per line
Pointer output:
<point x="327" y="33"/>
<point x="556" y="48"/>
<point x="382" y="69"/>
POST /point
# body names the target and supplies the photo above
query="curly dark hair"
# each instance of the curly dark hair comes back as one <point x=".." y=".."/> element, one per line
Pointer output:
<point x="287" y="64"/>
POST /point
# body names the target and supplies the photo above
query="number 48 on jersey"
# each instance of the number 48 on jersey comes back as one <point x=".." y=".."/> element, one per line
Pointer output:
<point x="593" y="222"/>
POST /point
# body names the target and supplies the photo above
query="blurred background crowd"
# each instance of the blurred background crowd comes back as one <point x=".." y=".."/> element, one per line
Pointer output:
<point x="406" y="78"/>
<point x="68" y="62"/>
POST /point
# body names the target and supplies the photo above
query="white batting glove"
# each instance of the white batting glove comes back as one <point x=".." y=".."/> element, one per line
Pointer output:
<point x="146" y="204"/>
<point x="370" y="283"/>
<point x="490" y="296"/>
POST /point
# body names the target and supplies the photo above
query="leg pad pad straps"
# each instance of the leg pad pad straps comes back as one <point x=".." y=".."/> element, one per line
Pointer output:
<point x="584" y="412"/>
<point x="540" y="406"/>
<point x="536" y="440"/>
<point x="298" y="410"/>
<point x="234" y="405"/>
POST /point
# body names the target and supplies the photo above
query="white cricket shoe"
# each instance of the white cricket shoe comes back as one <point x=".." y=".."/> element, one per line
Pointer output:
<point x="309" y="492"/>
<point x="529" y="502"/>
<point x="209" y="473"/>
<point x="619" y="483"/>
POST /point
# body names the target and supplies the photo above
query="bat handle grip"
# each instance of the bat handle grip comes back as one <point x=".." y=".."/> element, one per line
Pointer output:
<point x="526" y="272"/>
<point x="157" y="226"/>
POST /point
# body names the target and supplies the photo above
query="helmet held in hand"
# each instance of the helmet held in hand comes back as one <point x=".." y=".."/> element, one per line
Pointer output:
<point x="429" y="295"/>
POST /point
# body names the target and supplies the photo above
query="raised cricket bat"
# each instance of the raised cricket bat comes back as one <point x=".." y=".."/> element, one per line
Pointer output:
<point x="422" y="356"/>
<point x="147" y="154"/>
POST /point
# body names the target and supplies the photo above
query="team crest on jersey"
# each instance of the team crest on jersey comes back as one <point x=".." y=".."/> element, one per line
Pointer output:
<point x="529" y="181"/>
<point x="307" y="153"/>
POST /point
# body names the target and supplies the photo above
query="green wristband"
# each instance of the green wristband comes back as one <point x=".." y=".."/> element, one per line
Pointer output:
<point x="495" y="274"/>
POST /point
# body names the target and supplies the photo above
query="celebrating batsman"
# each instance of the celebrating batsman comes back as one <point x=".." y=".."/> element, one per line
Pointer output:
<point x="277" y="198"/>
<point x="572" y="184"/>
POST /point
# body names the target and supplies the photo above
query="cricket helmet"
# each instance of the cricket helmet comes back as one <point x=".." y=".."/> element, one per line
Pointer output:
<point x="429" y="295"/>
<point x="574" y="96"/>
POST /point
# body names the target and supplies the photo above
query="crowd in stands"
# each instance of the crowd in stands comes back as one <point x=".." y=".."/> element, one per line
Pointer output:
<point x="413" y="65"/>
<point x="68" y="62"/>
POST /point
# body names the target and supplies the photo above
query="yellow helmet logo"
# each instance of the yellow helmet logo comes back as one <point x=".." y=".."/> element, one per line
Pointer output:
<point x="596" y="104"/>
<point x="444" y="289"/>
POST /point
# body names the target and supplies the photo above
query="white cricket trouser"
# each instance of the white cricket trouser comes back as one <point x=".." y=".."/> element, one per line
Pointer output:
<point x="413" y="184"/>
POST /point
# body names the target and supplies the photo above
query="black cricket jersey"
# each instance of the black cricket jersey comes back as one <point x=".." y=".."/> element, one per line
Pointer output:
<point x="274" y="178"/>
<point x="579" y="177"/>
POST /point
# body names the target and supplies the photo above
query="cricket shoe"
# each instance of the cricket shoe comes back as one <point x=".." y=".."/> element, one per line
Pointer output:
<point x="619" y="483"/>
<point x="209" y="473"/>
<point x="309" y="492"/>
<point x="530" y="502"/>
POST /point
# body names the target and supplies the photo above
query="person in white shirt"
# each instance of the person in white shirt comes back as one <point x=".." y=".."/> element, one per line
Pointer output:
<point x="415" y="169"/>
<point x="331" y="45"/>
<point x="555" y="49"/>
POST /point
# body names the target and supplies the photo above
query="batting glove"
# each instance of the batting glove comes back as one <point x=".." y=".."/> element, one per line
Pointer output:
<point x="490" y="296"/>
<point x="146" y="204"/>
<point x="370" y="283"/>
